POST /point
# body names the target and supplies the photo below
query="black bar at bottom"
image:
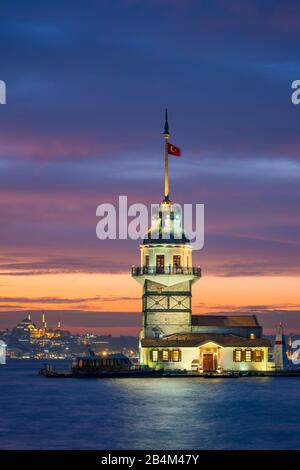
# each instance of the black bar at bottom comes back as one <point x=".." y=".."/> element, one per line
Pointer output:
<point x="137" y="458"/>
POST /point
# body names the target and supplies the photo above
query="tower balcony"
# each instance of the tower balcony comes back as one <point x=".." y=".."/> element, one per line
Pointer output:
<point x="165" y="270"/>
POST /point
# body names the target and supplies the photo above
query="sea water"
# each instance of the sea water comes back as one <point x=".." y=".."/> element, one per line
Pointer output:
<point x="149" y="413"/>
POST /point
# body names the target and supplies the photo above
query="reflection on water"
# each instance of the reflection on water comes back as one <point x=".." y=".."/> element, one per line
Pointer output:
<point x="40" y="413"/>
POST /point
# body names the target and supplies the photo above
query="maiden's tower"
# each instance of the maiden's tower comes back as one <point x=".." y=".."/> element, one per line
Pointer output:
<point x="171" y="337"/>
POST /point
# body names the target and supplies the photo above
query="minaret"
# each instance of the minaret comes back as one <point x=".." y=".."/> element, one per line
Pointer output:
<point x="279" y="352"/>
<point x="166" y="272"/>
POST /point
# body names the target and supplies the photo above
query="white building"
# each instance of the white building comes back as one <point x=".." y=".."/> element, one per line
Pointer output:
<point x="2" y="352"/>
<point x="171" y="337"/>
<point x="279" y="351"/>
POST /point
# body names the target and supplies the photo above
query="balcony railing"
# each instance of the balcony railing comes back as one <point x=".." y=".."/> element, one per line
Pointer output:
<point x="143" y="270"/>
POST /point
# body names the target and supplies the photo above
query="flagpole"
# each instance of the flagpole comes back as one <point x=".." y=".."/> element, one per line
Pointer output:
<point x="166" y="137"/>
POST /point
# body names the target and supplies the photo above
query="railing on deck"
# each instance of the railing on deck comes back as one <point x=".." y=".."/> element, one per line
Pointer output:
<point x="142" y="270"/>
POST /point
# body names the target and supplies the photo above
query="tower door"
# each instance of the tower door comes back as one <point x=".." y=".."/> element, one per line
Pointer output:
<point x="160" y="263"/>
<point x="208" y="363"/>
<point x="177" y="261"/>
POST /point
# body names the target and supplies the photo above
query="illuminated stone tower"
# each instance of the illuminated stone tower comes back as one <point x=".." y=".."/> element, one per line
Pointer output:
<point x="166" y="271"/>
<point x="279" y="351"/>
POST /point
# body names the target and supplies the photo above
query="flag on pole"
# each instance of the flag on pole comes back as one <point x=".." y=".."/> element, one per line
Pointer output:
<point x="172" y="150"/>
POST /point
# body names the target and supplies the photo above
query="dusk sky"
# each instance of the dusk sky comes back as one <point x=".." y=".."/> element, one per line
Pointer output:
<point x="87" y="83"/>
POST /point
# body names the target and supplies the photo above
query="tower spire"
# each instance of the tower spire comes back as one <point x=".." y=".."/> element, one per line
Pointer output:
<point x="166" y="137"/>
<point x="166" y="130"/>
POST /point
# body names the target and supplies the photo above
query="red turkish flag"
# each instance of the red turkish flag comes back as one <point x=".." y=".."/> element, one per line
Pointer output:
<point x="172" y="150"/>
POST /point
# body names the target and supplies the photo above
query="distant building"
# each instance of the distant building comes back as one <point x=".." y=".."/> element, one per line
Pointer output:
<point x="171" y="337"/>
<point x="27" y="328"/>
<point x="2" y="352"/>
<point x="28" y="340"/>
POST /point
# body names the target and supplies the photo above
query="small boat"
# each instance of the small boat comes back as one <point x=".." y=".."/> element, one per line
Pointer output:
<point x="94" y="366"/>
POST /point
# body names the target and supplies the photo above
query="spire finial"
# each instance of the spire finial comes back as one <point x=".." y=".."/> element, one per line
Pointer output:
<point x="166" y="137"/>
<point x="166" y="129"/>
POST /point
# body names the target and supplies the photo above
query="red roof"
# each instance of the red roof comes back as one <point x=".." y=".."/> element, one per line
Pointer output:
<point x="190" y="340"/>
<point x="225" y="320"/>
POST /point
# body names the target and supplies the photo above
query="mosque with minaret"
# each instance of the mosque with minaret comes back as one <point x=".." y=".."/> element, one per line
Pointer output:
<point x="27" y="326"/>
<point x="172" y="337"/>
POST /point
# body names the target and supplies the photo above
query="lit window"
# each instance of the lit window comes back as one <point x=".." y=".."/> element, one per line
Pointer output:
<point x="259" y="355"/>
<point x="154" y="355"/>
<point x="237" y="355"/>
<point x="176" y="355"/>
<point x="248" y="355"/>
<point x="252" y="336"/>
<point x="165" y="355"/>
<point x="160" y="263"/>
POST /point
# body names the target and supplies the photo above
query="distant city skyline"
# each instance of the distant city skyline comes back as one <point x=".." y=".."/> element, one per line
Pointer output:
<point x="83" y="125"/>
<point x="129" y="323"/>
